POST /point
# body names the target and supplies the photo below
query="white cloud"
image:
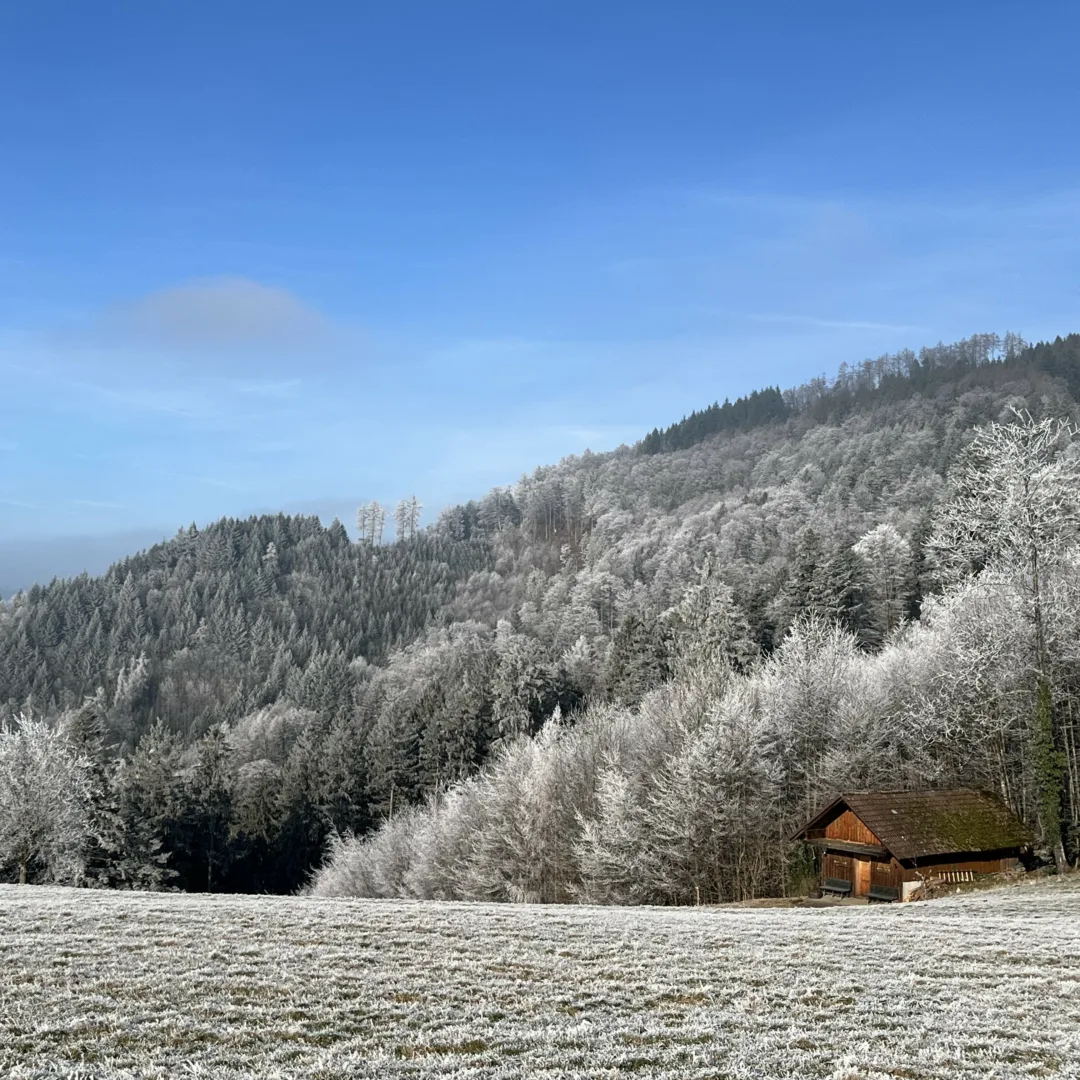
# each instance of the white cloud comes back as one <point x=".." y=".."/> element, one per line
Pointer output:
<point x="216" y="314"/>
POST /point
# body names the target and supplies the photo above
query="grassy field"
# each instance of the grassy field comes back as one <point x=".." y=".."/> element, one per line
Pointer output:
<point x="165" y="985"/>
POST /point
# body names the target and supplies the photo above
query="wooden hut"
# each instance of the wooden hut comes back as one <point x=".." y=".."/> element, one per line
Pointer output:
<point x="884" y="845"/>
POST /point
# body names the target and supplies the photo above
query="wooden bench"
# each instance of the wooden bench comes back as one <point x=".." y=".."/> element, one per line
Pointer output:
<point x="883" y="893"/>
<point x="835" y="885"/>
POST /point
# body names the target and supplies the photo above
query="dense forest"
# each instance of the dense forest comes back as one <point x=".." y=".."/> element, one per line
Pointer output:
<point x="612" y="680"/>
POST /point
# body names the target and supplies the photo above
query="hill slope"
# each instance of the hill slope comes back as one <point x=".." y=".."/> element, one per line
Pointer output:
<point x="353" y="680"/>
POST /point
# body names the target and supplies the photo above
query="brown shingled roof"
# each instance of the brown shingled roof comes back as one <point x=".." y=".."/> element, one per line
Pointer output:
<point x="918" y="824"/>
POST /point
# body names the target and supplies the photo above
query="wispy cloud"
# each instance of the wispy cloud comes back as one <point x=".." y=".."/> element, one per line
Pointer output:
<point x="96" y="504"/>
<point x="832" y="324"/>
<point x="56" y="372"/>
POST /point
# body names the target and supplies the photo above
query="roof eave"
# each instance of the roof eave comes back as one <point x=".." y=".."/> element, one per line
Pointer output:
<point x="817" y="817"/>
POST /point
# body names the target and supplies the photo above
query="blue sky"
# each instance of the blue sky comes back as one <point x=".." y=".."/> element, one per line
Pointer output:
<point x="268" y="256"/>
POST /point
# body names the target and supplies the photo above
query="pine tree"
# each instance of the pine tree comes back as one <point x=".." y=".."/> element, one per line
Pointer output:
<point x="638" y="660"/>
<point x="103" y="840"/>
<point x="211" y="800"/>
<point x="151" y="804"/>
<point x="888" y="560"/>
<point x="707" y="631"/>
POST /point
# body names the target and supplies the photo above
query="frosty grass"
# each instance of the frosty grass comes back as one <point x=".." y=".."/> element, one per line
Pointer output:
<point x="97" y="985"/>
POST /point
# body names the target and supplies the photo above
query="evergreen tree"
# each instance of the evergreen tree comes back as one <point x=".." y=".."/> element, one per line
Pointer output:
<point x="210" y="805"/>
<point x="638" y="660"/>
<point x="103" y="839"/>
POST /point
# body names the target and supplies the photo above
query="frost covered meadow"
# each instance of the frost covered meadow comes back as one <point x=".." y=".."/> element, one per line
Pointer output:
<point x="104" y="985"/>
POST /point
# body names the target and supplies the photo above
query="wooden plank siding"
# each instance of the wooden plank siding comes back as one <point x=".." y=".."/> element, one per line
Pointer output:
<point x="923" y="869"/>
<point x="837" y="866"/>
<point x="887" y="872"/>
<point x="846" y="827"/>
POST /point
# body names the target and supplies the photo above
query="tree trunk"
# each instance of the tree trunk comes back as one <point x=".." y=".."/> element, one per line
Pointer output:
<point x="22" y="873"/>
<point x="1049" y="767"/>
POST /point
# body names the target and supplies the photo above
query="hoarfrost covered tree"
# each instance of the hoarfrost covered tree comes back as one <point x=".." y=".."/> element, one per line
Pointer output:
<point x="805" y="594"/>
<point x="43" y="800"/>
<point x="806" y="686"/>
<point x="972" y="719"/>
<point x="1015" y="495"/>
<point x="266" y="582"/>
<point x="580" y="664"/>
<point x="524" y="850"/>
<point x="103" y="840"/>
<point x="708" y="630"/>
<point x="376" y="521"/>
<point x="518" y="682"/>
<point x="444" y="843"/>
<point x="268" y="733"/>
<point x="711" y="815"/>
<point x="613" y="850"/>
<point x="887" y="556"/>
<point x="363" y="522"/>
<point x="1016" y="499"/>
<point x="414" y="508"/>
<point x="120" y="849"/>
<point x="407" y="517"/>
<point x="257" y="800"/>
<point x="211" y="783"/>
<point x="370" y="518"/>
<point x="133" y="688"/>
<point x="149" y="800"/>
<point x="698" y="827"/>
<point x="638" y="660"/>
<point x="374" y="865"/>
<point x="297" y="818"/>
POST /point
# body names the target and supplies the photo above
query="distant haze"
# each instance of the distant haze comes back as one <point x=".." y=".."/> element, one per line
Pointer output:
<point x="24" y="562"/>
<point x="27" y="561"/>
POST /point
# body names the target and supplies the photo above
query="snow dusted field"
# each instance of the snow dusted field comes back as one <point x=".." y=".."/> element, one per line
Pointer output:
<point x="166" y="985"/>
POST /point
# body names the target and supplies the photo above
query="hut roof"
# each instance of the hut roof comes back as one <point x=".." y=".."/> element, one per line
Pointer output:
<point x="918" y="824"/>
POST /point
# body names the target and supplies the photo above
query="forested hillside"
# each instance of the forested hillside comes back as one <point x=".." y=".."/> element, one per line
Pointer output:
<point x="214" y="624"/>
<point x="297" y="683"/>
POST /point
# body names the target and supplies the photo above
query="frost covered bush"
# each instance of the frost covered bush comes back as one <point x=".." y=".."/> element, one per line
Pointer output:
<point x="44" y="796"/>
<point x="375" y="866"/>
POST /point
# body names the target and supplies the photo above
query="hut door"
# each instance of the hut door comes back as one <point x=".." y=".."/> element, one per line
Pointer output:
<point x="862" y="877"/>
